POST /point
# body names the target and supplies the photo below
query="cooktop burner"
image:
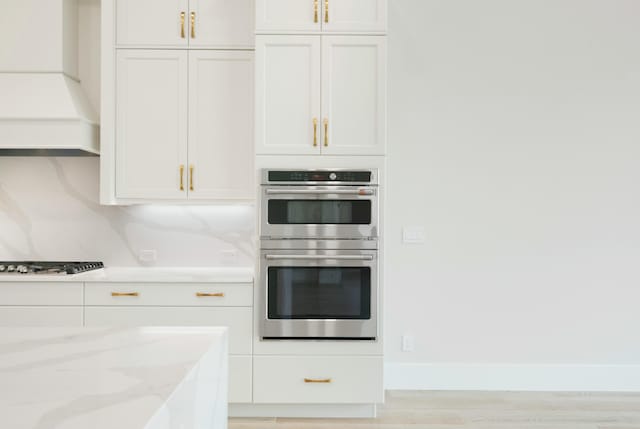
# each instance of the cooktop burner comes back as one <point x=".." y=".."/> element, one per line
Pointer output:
<point x="47" y="267"/>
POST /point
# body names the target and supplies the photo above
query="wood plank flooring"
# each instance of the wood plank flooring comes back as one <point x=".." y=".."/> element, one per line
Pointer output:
<point x="481" y="410"/>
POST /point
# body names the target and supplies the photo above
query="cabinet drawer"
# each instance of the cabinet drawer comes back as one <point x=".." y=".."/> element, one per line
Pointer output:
<point x="237" y="319"/>
<point x="41" y="293"/>
<point x="317" y="380"/>
<point x="40" y="316"/>
<point x="240" y="373"/>
<point x="152" y="294"/>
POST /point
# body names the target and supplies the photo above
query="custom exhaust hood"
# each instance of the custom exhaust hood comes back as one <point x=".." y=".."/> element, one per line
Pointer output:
<point x="43" y="109"/>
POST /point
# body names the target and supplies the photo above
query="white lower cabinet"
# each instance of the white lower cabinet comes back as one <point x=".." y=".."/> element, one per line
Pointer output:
<point x="237" y="319"/>
<point x="188" y="304"/>
<point x="317" y="380"/>
<point x="41" y="304"/>
<point x="40" y="316"/>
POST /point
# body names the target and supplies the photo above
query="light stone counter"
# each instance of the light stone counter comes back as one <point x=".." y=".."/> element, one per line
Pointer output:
<point x="106" y="378"/>
<point x="146" y="275"/>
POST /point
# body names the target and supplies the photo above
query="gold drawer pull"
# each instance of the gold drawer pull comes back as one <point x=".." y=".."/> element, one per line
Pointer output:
<point x="193" y="25"/>
<point x="313" y="380"/>
<point x="182" y="25"/>
<point x="203" y="294"/>
<point x="181" y="177"/>
<point x="125" y="294"/>
<point x="191" y="167"/>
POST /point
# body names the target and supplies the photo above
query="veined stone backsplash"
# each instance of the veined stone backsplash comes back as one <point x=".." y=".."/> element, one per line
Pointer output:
<point x="50" y="210"/>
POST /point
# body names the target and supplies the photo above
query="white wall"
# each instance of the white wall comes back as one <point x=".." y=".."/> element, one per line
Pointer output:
<point x="515" y="141"/>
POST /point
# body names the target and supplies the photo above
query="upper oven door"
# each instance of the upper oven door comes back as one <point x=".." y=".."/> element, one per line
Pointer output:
<point x="323" y="212"/>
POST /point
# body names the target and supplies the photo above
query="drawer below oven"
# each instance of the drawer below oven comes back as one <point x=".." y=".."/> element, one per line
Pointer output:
<point x="317" y="380"/>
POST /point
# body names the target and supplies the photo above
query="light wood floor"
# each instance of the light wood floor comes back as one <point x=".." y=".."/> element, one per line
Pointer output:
<point x="481" y="410"/>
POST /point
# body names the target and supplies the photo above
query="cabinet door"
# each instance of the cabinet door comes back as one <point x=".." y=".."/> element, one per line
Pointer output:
<point x="283" y="16"/>
<point x="361" y="16"/>
<point x="221" y="24"/>
<point x="288" y="95"/>
<point x="354" y="95"/>
<point x="152" y="23"/>
<point x="151" y="124"/>
<point x="40" y="316"/>
<point x="221" y="125"/>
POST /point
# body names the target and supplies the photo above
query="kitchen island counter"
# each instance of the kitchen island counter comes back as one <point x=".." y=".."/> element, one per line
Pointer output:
<point x="125" y="378"/>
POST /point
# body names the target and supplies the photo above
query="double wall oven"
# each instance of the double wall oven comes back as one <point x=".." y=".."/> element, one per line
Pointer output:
<point x="319" y="254"/>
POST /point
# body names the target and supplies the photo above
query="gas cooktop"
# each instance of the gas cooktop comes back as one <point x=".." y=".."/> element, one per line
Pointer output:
<point x="47" y="267"/>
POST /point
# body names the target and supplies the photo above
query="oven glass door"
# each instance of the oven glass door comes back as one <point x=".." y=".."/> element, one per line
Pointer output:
<point x="320" y="294"/>
<point x="319" y="212"/>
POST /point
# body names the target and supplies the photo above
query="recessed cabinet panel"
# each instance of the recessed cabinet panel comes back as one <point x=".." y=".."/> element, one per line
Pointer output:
<point x="288" y="15"/>
<point x="152" y="22"/>
<point x="354" y="95"/>
<point x="221" y="146"/>
<point x="361" y="16"/>
<point x="222" y="23"/>
<point x="151" y="124"/>
<point x="40" y="316"/>
<point x="288" y="95"/>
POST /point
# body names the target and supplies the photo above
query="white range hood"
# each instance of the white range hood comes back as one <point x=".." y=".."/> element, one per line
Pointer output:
<point x="43" y="109"/>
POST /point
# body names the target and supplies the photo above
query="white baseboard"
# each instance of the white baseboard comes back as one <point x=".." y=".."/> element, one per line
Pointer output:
<point x="570" y="378"/>
<point x="303" y="410"/>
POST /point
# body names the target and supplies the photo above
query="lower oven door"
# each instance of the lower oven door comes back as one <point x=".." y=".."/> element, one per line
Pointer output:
<point x="319" y="294"/>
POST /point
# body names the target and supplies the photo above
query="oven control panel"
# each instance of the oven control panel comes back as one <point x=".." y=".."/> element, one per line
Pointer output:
<point x="306" y="176"/>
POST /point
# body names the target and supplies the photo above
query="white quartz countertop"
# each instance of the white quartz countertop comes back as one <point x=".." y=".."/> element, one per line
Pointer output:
<point x="106" y="378"/>
<point x="141" y="274"/>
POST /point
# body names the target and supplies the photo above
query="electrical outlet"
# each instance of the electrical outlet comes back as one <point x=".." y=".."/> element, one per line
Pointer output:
<point x="148" y="256"/>
<point x="408" y="343"/>
<point x="413" y="234"/>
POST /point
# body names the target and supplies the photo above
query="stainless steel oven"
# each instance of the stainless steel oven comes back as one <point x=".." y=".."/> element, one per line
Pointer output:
<point x="319" y="204"/>
<point x="319" y="290"/>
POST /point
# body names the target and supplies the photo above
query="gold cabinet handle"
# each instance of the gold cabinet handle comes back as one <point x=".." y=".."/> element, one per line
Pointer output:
<point x="181" y="177"/>
<point x="205" y="294"/>
<point x="125" y="294"/>
<point x="326" y="132"/>
<point x="315" y="11"/>
<point x="182" y="25"/>
<point x="315" y="132"/>
<point x="326" y="11"/>
<point x="193" y="25"/>
<point x="191" y="177"/>
<point x="315" y="380"/>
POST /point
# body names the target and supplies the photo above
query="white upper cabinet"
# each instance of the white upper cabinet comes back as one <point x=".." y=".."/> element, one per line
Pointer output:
<point x="354" y="16"/>
<point x="288" y="95"/>
<point x="221" y="24"/>
<point x="354" y="95"/>
<point x="304" y="16"/>
<point x="221" y="125"/>
<point x="273" y="16"/>
<point x="185" y="23"/>
<point x="151" y="124"/>
<point x="321" y="95"/>
<point x="152" y="22"/>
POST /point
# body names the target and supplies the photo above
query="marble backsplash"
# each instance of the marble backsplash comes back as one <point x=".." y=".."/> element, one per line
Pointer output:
<point x="50" y="210"/>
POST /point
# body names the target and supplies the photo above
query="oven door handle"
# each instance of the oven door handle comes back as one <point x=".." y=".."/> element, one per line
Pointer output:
<point x="361" y="191"/>
<point x="322" y="257"/>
